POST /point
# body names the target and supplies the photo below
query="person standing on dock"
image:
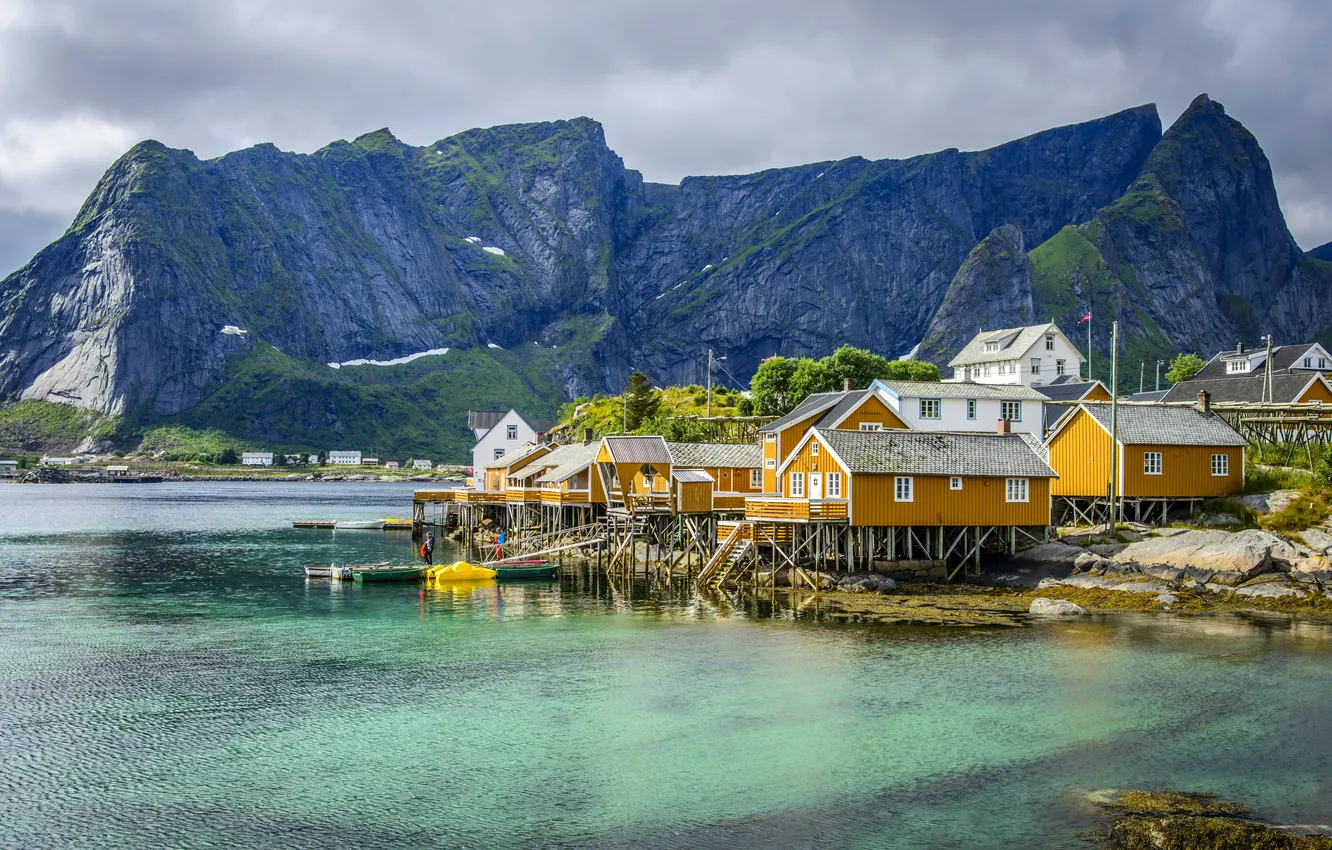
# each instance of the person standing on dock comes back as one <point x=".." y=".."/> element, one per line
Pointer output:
<point x="499" y="545"/>
<point x="428" y="547"/>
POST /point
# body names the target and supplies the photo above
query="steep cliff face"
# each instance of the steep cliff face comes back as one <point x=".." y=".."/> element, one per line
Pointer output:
<point x="537" y="235"/>
<point x="992" y="290"/>
<point x="1194" y="256"/>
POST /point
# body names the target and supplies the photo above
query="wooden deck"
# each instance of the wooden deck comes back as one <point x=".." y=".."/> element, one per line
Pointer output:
<point x="728" y="501"/>
<point x="795" y="510"/>
<point x="565" y="497"/>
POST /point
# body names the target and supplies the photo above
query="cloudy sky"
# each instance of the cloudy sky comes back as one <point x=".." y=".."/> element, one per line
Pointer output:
<point x="682" y="87"/>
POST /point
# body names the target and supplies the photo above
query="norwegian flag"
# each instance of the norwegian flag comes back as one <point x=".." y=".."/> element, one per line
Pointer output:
<point x="1086" y="318"/>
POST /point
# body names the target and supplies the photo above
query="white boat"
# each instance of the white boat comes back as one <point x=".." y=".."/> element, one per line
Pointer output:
<point x="370" y="524"/>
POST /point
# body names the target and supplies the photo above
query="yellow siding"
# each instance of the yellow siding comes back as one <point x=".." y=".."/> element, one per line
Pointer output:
<point x="1080" y="453"/>
<point x="695" y="497"/>
<point x="661" y="482"/>
<point x="1316" y="392"/>
<point x="769" y="469"/>
<point x="1186" y="472"/>
<point x="1097" y="393"/>
<point x="981" y="501"/>
<point x="806" y="461"/>
<point x="872" y="409"/>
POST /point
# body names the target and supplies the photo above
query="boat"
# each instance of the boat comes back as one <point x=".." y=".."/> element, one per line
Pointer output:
<point x="512" y="570"/>
<point x="368" y="524"/>
<point x="397" y="524"/>
<point x="388" y="572"/>
<point x="459" y="571"/>
<point x="314" y="523"/>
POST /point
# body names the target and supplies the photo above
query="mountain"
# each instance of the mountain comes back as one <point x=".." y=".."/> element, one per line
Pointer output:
<point x="549" y="270"/>
<point x="1322" y="252"/>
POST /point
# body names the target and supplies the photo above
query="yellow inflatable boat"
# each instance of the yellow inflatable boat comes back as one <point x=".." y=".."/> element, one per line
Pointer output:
<point x="459" y="571"/>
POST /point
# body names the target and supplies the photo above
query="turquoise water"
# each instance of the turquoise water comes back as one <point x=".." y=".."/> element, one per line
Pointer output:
<point x="168" y="678"/>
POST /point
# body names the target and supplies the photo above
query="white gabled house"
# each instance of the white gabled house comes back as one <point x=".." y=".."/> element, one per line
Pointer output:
<point x="1031" y="356"/>
<point x="506" y="433"/>
<point x="256" y="459"/>
<point x="344" y="458"/>
<point x="964" y="405"/>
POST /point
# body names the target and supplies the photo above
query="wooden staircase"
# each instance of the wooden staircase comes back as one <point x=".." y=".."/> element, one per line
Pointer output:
<point x="729" y="557"/>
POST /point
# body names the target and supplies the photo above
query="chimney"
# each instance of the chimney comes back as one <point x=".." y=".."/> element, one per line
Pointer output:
<point x="587" y="436"/>
<point x="1005" y="428"/>
<point x="1205" y="403"/>
<point x="1239" y="348"/>
<point x="846" y="385"/>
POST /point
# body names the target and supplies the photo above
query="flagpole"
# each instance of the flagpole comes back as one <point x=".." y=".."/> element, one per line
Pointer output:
<point x="1089" y="365"/>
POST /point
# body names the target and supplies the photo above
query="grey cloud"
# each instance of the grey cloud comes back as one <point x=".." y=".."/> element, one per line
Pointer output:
<point x="689" y="87"/>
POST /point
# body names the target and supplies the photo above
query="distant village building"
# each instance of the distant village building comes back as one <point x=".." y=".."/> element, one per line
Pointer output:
<point x="964" y="405"/>
<point x="7" y="466"/>
<point x="1297" y="375"/>
<point x="1033" y="356"/>
<point x="59" y="461"/>
<point x="118" y="471"/>
<point x="344" y="458"/>
<point x="393" y="464"/>
<point x="293" y="460"/>
<point x="506" y="432"/>
<point x="370" y="461"/>
<point x="422" y="464"/>
<point x="313" y="460"/>
<point x="256" y="459"/>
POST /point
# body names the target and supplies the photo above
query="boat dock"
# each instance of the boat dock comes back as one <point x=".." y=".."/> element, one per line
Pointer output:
<point x="314" y="523"/>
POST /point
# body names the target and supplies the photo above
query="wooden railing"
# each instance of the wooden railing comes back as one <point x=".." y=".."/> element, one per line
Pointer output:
<point x="523" y="494"/>
<point x="437" y="495"/>
<point x="651" y="501"/>
<point x="802" y="510"/>
<point x="728" y="501"/>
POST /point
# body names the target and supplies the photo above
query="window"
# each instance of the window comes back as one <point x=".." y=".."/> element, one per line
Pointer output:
<point x="871" y="426"/>
<point x="770" y="463"/>
<point x="1234" y="366"/>
<point x="499" y="453"/>
<point x="834" y="485"/>
<point x="971" y="408"/>
<point x="1308" y="362"/>
<point x="1016" y="490"/>
<point x="902" y="489"/>
<point x="1151" y="463"/>
<point x="814" y="449"/>
<point x="771" y="436"/>
<point x="1322" y="362"/>
<point x="1049" y="342"/>
<point x="1221" y="465"/>
<point x="1035" y="365"/>
<point x="955" y="483"/>
<point x="991" y="347"/>
<point x="1059" y="367"/>
<point x="797" y="485"/>
<point x="987" y="370"/>
<point x="929" y="408"/>
<point x="756" y="479"/>
<point x="1010" y="410"/>
<point x="511" y="432"/>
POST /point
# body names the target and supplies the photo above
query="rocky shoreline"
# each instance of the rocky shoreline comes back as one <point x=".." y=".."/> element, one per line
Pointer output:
<point x="1175" y="820"/>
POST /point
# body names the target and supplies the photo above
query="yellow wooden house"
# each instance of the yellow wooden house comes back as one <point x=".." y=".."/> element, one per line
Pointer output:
<point x="569" y="476"/>
<point x="736" y="469"/>
<point x="502" y="469"/>
<point x="1165" y="453"/>
<point x="853" y="410"/>
<point x="635" y="472"/>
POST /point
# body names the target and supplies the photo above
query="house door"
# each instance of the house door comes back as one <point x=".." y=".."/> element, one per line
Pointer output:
<point x="816" y="485"/>
<point x="726" y="481"/>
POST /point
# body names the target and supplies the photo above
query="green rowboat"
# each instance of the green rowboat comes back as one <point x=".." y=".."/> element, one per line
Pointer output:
<point x="524" y="570"/>
<point x="387" y="572"/>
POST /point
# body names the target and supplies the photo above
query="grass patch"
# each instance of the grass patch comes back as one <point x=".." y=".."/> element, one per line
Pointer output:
<point x="42" y="425"/>
<point x="1304" y="511"/>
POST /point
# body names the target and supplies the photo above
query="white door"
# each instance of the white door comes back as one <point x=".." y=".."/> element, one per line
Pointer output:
<point x="816" y="485"/>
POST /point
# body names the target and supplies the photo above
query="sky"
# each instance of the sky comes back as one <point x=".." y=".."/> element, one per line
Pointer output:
<point x="682" y="88"/>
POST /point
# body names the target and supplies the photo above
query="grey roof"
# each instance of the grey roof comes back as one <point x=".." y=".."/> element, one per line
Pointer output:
<point x="844" y="405"/>
<point x="530" y="470"/>
<point x="1283" y="358"/>
<point x="634" y="449"/>
<point x="567" y="461"/>
<point x="1149" y="395"/>
<point x="939" y="453"/>
<point x="1286" y="387"/>
<point x="692" y="476"/>
<point x="717" y="455"/>
<point x="961" y="389"/>
<point x="483" y="420"/>
<point x="1060" y="390"/>
<point x="807" y="408"/>
<point x="1159" y="425"/>
<point x="1014" y="342"/>
<point x="510" y="458"/>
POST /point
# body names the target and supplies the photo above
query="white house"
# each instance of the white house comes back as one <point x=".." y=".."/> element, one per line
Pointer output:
<point x="964" y="406"/>
<point x="256" y="459"/>
<point x="59" y="461"/>
<point x="422" y="464"/>
<point x="8" y="466"/>
<point x="1031" y="356"/>
<point x="344" y="458"/>
<point x="481" y="421"/>
<point x="293" y="460"/>
<point x="508" y="432"/>
<point x="313" y="460"/>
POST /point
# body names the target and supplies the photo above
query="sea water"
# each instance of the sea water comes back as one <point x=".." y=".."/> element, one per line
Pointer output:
<point x="169" y="678"/>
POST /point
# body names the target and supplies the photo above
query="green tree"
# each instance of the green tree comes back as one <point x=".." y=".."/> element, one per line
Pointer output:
<point x="745" y="407"/>
<point x="812" y="376"/>
<point x="911" y="370"/>
<point x="1183" y="367"/>
<point x="857" y="365"/>
<point x="641" y="400"/>
<point x="228" y="457"/>
<point x="771" y="386"/>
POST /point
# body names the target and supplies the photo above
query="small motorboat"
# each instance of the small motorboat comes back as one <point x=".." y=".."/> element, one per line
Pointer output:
<point x="516" y="570"/>
<point x="397" y="524"/>
<point x="388" y="572"/>
<point x="368" y="525"/>
<point x="346" y="572"/>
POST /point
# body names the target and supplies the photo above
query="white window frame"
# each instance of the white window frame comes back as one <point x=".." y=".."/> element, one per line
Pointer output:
<point x="1017" y="490"/>
<point x="1308" y="362"/>
<point x="756" y="479"/>
<point x="1003" y="406"/>
<point x="511" y="432"/>
<point x="1322" y="362"/>
<point x="1221" y="465"/>
<point x="796" y="485"/>
<point x="833" y="485"/>
<point x="904" y="489"/>
<point x="1237" y="367"/>
<point x="871" y="426"/>
<point x="971" y="408"/>
<point x="1059" y="367"/>
<point x="937" y="405"/>
<point x="770" y="463"/>
<point x="771" y="436"/>
<point x="814" y="448"/>
<point x="991" y="347"/>
<point x="1035" y="365"/>
<point x="499" y="453"/>
<point x="1049" y="342"/>
<point x="955" y="482"/>
<point x="1150" y="468"/>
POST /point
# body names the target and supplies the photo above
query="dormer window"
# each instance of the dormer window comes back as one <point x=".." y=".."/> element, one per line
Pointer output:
<point x="1322" y="362"/>
<point x="1049" y="342"/>
<point x="991" y="347"/>
<point x="1308" y="362"/>
<point x="1234" y="367"/>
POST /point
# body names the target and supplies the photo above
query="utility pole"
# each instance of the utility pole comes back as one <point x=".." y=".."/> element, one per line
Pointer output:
<point x="709" y="408"/>
<point x="1267" y="371"/>
<point x="1142" y="372"/>
<point x="1114" y="426"/>
<point x="1158" y="375"/>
